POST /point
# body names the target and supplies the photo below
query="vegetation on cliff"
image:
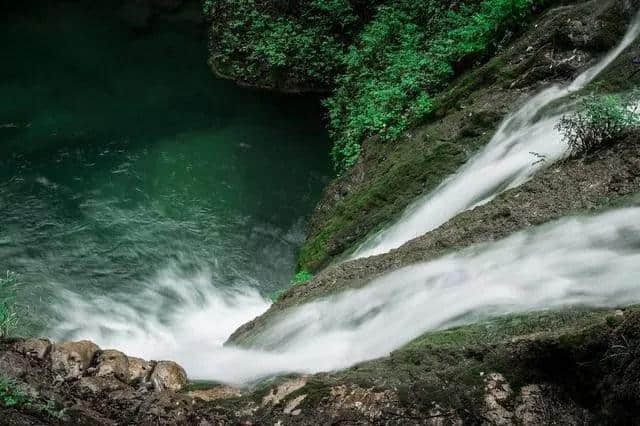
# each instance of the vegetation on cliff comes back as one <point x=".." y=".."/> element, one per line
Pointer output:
<point x="383" y="61"/>
<point x="600" y="121"/>
<point x="8" y="315"/>
<point x="388" y="176"/>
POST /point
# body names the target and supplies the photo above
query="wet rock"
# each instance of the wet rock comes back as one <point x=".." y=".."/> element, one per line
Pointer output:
<point x="72" y="359"/>
<point x="284" y="389"/>
<point x="36" y="348"/>
<point x="13" y="365"/>
<point x="82" y="415"/>
<point x="531" y="409"/>
<point x="292" y="406"/>
<point x="113" y="362"/>
<point x="168" y="375"/>
<point x="497" y="392"/>
<point x="139" y="371"/>
<point x="369" y="402"/>
<point x="216" y="393"/>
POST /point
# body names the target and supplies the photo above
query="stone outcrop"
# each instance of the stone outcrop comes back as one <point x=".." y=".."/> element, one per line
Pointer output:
<point x="98" y="370"/>
<point x="167" y="375"/>
<point x="112" y="362"/>
<point x="139" y="371"/>
<point x="72" y="359"/>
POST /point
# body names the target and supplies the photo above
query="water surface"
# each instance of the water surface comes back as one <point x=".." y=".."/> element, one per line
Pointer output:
<point x="123" y="162"/>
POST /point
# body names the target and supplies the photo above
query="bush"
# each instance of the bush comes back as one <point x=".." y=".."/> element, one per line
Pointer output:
<point x="405" y="56"/>
<point x="300" y="278"/>
<point x="600" y="121"/>
<point x="11" y="395"/>
<point x="383" y="60"/>
<point x="8" y="315"/>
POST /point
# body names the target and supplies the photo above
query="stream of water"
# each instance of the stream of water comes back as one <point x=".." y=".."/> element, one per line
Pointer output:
<point x="508" y="160"/>
<point x="559" y="265"/>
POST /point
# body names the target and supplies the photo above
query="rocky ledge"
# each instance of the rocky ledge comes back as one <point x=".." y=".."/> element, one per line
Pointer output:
<point x="571" y="367"/>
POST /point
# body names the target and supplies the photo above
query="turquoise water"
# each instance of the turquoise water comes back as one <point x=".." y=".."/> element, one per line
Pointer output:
<point x="121" y="156"/>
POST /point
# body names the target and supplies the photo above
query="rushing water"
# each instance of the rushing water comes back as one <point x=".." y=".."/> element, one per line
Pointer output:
<point x="555" y="266"/>
<point x="125" y="166"/>
<point x="577" y="261"/>
<point x="147" y="207"/>
<point x="509" y="160"/>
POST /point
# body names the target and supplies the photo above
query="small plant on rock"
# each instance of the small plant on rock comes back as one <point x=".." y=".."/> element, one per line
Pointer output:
<point x="8" y="315"/>
<point x="11" y="395"/>
<point x="600" y="121"/>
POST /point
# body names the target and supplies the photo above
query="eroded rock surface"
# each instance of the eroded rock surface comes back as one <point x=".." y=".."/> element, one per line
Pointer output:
<point x="113" y="362"/>
<point x="72" y="359"/>
<point x="168" y="375"/>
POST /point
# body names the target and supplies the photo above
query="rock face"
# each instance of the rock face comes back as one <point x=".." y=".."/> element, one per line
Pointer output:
<point x="37" y="348"/>
<point x="112" y="362"/>
<point x="72" y="359"/>
<point x="167" y="375"/>
<point x="139" y="370"/>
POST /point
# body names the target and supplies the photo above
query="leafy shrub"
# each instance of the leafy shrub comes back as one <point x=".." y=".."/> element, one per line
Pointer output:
<point x="8" y="315"/>
<point x="600" y="121"/>
<point x="385" y="60"/>
<point x="405" y="56"/>
<point x="300" y="278"/>
<point x="274" y="42"/>
<point x="11" y="395"/>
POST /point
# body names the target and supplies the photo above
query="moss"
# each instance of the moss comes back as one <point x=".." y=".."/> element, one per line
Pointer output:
<point x="498" y="329"/>
<point x="412" y="174"/>
<point x="316" y="391"/>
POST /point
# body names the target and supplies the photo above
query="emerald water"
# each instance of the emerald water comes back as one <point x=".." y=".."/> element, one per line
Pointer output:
<point x="127" y="169"/>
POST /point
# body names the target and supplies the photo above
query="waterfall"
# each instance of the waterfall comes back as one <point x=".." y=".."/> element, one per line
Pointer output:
<point x="182" y="316"/>
<point x="506" y="162"/>
<point x="558" y="265"/>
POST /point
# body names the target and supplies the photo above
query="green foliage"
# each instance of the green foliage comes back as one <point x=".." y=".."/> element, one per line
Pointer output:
<point x="207" y="6"/>
<point x="405" y="56"/>
<point x="600" y="121"/>
<point x="300" y="278"/>
<point x="8" y="315"/>
<point x="11" y="395"/>
<point x="385" y="60"/>
<point x="278" y="43"/>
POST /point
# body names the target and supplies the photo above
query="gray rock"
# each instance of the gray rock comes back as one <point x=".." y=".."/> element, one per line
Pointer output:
<point x="167" y="375"/>
<point x="139" y="371"/>
<point x="113" y="362"/>
<point x="36" y="348"/>
<point x="72" y="359"/>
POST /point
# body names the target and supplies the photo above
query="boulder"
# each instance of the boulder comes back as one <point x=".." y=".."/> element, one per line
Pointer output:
<point x="139" y="371"/>
<point x="35" y="348"/>
<point x="112" y="362"/>
<point x="167" y="375"/>
<point x="72" y="359"/>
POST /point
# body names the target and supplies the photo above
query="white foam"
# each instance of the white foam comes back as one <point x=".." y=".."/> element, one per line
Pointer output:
<point x="581" y="261"/>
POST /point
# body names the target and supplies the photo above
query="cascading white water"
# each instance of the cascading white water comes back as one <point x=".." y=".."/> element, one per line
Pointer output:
<point x="506" y="162"/>
<point x="558" y="265"/>
<point x="184" y="317"/>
